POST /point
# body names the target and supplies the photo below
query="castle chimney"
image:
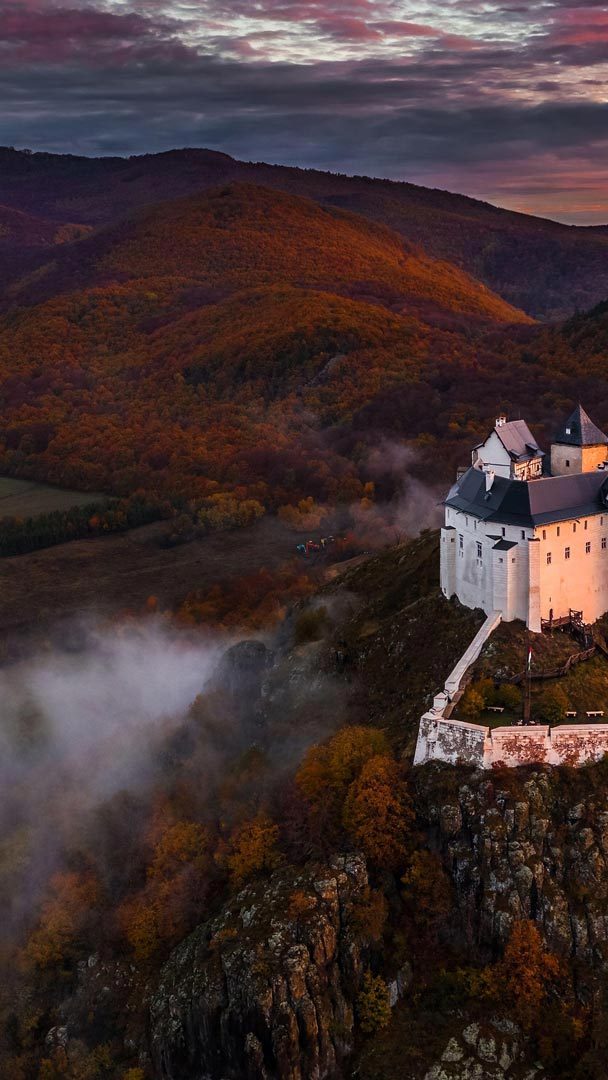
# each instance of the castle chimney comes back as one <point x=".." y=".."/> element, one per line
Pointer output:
<point x="500" y="420"/>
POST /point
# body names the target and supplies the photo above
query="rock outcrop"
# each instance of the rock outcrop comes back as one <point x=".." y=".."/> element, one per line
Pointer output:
<point x="495" y="1050"/>
<point x="266" y="989"/>
<point x="529" y="845"/>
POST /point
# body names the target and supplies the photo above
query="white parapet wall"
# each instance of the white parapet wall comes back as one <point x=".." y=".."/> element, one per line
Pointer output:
<point x="457" y="743"/>
<point x="440" y="738"/>
<point x="454" y="679"/>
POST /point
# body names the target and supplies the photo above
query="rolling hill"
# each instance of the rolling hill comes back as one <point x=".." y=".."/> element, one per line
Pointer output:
<point x="246" y="345"/>
<point x="549" y="270"/>
<point x="211" y="343"/>
<point x="240" y="236"/>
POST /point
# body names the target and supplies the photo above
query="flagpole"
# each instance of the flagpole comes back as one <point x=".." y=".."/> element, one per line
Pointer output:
<point x="528" y="680"/>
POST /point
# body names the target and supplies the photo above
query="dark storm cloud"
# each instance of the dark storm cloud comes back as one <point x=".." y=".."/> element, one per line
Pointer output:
<point x="413" y="94"/>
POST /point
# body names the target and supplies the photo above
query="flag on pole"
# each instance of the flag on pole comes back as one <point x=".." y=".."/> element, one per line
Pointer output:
<point x="529" y="666"/>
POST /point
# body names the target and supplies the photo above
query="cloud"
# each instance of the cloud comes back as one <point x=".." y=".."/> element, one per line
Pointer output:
<point x="492" y="99"/>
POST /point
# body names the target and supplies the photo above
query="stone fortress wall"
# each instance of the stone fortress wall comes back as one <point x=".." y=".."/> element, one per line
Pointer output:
<point x="440" y="738"/>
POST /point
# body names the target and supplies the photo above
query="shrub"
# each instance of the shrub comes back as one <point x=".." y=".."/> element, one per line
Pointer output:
<point x="508" y="696"/>
<point x="373" y="1004"/>
<point x="550" y="705"/>
<point x="470" y="706"/>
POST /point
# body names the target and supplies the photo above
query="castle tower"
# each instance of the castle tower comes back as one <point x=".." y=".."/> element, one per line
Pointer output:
<point x="579" y="447"/>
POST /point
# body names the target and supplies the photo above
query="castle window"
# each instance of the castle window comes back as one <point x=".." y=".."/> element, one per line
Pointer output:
<point x="504" y="531"/>
<point x="558" y="530"/>
<point x="460" y="541"/>
<point x="567" y="463"/>
<point x="523" y="534"/>
<point x="586" y="523"/>
<point x="587" y="548"/>
<point x="574" y="527"/>
<point x="603" y="543"/>
<point x="544" y="534"/>
<point x="548" y="558"/>
<point x="479" y="550"/>
<point x="567" y="553"/>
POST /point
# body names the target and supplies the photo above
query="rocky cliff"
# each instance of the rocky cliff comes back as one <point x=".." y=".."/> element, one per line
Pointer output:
<point x="524" y="844"/>
<point x="266" y="989"/>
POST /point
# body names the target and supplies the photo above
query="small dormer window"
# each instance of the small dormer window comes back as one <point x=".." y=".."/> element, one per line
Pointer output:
<point x="568" y="431"/>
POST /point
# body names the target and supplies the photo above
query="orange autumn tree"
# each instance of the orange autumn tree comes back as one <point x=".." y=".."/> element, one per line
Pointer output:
<point x="252" y="849"/>
<point x="172" y="901"/>
<point x="378" y="813"/>
<point x="64" y="918"/>
<point x="427" y="893"/>
<point x="525" y="975"/>
<point x="327" y="772"/>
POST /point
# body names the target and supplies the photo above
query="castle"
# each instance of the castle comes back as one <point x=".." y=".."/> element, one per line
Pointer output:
<point x="526" y="541"/>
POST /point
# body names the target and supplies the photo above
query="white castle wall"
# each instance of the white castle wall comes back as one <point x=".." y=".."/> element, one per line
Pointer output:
<point x="580" y="581"/>
<point x="494" y="580"/>
<point x="550" y="569"/>
<point x="576" y="459"/>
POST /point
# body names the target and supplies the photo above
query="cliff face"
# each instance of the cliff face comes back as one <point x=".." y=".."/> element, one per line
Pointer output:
<point x="266" y="989"/>
<point x="532" y="844"/>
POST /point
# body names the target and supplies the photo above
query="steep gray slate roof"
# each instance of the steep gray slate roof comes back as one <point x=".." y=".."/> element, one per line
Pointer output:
<point x="539" y="502"/>
<point x="518" y="440"/>
<point x="579" y="430"/>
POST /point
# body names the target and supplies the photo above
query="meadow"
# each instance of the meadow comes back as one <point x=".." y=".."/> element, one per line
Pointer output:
<point x="26" y="499"/>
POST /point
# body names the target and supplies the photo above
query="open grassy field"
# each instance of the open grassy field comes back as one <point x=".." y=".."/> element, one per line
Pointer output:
<point x="25" y="499"/>
<point x="107" y="575"/>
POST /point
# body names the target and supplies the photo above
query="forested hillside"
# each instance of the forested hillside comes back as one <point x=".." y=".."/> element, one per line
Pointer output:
<point x="251" y="347"/>
<point x="224" y="344"/>
<point x="548" y="269"/>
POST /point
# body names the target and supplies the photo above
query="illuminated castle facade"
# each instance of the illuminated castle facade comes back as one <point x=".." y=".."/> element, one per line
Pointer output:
<point x="528" y="541"/>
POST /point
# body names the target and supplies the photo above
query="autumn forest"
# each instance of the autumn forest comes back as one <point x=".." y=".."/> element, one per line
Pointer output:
<point x="229" y="358"/>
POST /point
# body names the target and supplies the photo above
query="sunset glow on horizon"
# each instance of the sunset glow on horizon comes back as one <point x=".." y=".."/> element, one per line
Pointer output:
<point x="498" y="100"/>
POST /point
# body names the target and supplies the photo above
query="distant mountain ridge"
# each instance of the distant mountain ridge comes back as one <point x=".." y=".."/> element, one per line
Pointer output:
<point x="240" y="236"/>
<point x="547" y="269"/>
<point x="18" y="228"/>
<point x="209" y="341"/>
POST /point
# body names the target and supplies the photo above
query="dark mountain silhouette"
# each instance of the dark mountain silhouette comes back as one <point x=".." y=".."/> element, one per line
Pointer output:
<point x="548" y="269"/>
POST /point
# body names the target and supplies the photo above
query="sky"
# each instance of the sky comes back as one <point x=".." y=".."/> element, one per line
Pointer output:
<point x="505" y="101"/>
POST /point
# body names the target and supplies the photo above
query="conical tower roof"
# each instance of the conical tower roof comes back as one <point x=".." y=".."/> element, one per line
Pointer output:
<point x="579" y="430"/>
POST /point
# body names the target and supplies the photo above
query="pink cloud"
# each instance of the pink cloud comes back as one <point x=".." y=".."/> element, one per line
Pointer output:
<point x="579" y="26"/>
<point x="33" y="32"/>
<point x="348" y="28"/>
<point x="399" y="28"/>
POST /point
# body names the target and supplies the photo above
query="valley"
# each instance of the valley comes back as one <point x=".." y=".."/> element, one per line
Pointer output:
<point x="216" y="857"/>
